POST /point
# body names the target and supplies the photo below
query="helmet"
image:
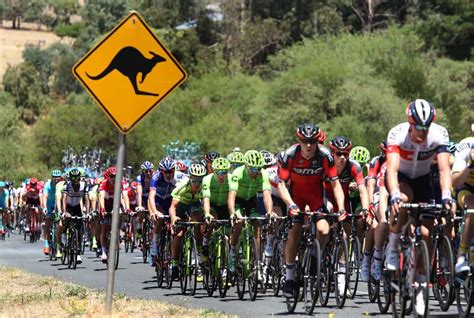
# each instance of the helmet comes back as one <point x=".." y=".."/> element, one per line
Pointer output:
<point x="451" y="147"/>
<point x="268" y="158"/>
<point x="360" y="154"/>
<point x="420" y="112"/>
<point x="383" y="146"/>
<point x="322" y="136"/>
<point x="74" y="173"/>
<point x="133" y="185"/>
<point x="254" y="159"/>
<point x="236" y="157"/>
<point x="181" y="166"/>
<point x="56" y="173"/>
<point x="197" y="170"/>
<point x="308" y="131"/>
<point x="111" y="171"/>
<point x="340" y="143"/>
<point x="211" y="156"/>
<point x="33" y="181"/>
<point x="221" y="164"/>
<point x="167" y="164"/>
<point x="147" y="165"/>
<point x="2" y="184"/>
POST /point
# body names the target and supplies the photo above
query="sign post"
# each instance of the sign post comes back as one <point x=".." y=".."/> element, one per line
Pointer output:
<point x="128" y="74"/>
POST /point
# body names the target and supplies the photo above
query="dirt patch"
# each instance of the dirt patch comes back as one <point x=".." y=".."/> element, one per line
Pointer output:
<point x="13" y="42"/>
<point x="28" y="295"/>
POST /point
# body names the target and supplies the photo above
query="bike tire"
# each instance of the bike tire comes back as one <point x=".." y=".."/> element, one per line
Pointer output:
<point x="311" y="267"/>
<point x="383" y="289"/>
<point x="159" y="261"/>
<point x="341" y="249"/>
<point x="443" y="286"/>
<point x="240" y="272"/>
<point x="223" y="278"/>
<point x="354" y="266"/>
<point x="421" y="265"/>
<point x="277" y="266"/>
<point x="253" y="269"/>
<point x="325" y="276"/>
<point x="293" y="301"/>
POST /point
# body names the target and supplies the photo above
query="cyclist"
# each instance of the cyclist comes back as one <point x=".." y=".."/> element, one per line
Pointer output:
<point x="303" y="165"/>
<point x="60" y="187"/>
<point x="463" y="179"/>
<point x="50" y="206"/>
<point x="4" y="205"/>
<point x="95" y="224"/>
<point x="162" y="184"/>
<point x="186" y="203"/>
<point x="75" y="196"/>
<point x="181" y="166"/>
<point x="245" y="182"/>
<point x="143" y="184"/>
<point x="209" y="158"/>
<point x="32" y="198"/>
<point x="236" y="159"/>
<point x="411" y="148"/>
<point x="106" y="203"/>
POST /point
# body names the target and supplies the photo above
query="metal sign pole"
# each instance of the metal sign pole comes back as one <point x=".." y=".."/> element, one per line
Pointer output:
<point x="115" y="225"/>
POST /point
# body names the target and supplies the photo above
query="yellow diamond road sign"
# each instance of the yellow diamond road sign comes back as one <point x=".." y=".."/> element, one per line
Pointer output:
<point x="129" y="72"/>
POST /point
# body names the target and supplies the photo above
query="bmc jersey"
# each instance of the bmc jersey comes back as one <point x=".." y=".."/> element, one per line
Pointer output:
<point x="462" y="159"/>
<point x="164" y="188"/>
<point x="75" y="195"/>
<point x="247" y="187"/>
<point x="215" y="191"/>
<point x="305" y="177"/>
<point x="416" y="158"/>
<point x="375" y="165"/>
<point x="109" y="189"/>
<point x="352" y="171"/>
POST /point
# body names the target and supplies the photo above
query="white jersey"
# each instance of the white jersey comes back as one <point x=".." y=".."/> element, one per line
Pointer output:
<point x="274" y="179"/>
<point x="463" y="159"/>
<point x="416" y="158"/>
<point x="74" y="197"/>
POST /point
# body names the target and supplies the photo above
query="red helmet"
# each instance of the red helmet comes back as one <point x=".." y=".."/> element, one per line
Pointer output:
<point x="111" y="171"/>
<point x="133" y="185"/>
<point x="322" y="136"/>
<point x="33" y="181"/>
<point x="309" y="131"/>
<point x="181" y="166"/>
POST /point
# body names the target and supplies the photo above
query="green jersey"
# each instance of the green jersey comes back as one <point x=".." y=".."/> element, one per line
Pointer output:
<point x="215" y="191"/>
<point x="245" y="186"/>
<point x="183" y="194"/>
<point x="60" y="187"/>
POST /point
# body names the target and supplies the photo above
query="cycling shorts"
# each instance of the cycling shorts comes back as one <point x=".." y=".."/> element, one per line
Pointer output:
<point x="221" y="212"/>
<point x="185" y="210"/>
<point x="163" y="205"/>
<point x="74" y="210"/>
<point x="276" y="202"/>
<point x="421" y="187"/>
<point x="247" y="207"/>
<point x="33" y="202"/>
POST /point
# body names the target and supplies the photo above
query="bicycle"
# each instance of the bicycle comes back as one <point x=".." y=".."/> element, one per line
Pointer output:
<point x="217" y="273"/>
<point x="34" y="227"/>
<point x="355" y="255"/>
<point x="414" y="259"/>
<point x="73" y="242"/>
<point x="163" y="258"/>
<point x="129" y="238"/>
<point x="189" y="258"/>
<point x="145" y="239"/>
<point x="53" y="247"/>
<point x="276" y="268"/>
<point x="464" y="286"/>
<point x="247" y="261"/>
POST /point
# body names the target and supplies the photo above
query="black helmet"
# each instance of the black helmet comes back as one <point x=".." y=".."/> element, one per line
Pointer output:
<point x="211" y="156"/>
<point x="308" y="131"/>
<point x="340" y="143"/>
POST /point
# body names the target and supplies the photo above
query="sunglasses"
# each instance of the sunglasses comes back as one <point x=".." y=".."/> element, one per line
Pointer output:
<point x="220" y="172"/>
<point x="148" y="171"/>
<point x="309" y="141"/>
<point x="254" y="170"/>
<point x="75" y="178"/>
<point x="421" y="128"/>
<point x="196" y="181"/>
<point x="167" y="172"/>
<point x="236" y="165"/>
<point x="342" y="153"/>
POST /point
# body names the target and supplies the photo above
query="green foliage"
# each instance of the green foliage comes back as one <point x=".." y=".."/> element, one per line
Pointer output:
<point x="70" y="30"/>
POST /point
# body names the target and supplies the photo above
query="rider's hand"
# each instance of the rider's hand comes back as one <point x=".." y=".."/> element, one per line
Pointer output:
<point x="395" y="200"/>
<point x="208" y="218"/>
<point x="372" y="208"/>
<point x="352" y="186"/>
<point x="159" y="215"/>
<point x="271" y="215"/>
<point x="342" y="215"/>
<point x="293" y="210"/>
<point x="139" y="209"/>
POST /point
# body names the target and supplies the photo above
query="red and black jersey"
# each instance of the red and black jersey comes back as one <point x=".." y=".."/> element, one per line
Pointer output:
<point x="381" y="176"/>
<point x="375" y="165"/>
<point x="305" y="177"/>
<point x="352" y="171"/>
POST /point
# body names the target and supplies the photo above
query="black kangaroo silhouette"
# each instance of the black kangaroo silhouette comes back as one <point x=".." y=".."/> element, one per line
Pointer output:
<point x="130" y="61"/>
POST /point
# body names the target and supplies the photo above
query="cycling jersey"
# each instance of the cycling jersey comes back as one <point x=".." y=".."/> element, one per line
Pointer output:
<point x="60" y="186"/>
<point x="416" y="158"/>
<point x="215" y="191"/>
<point x="132" y="196"/>
<point x="33" y="192"/>
<point x="50" y="189"/>
<point x="274" y="179"/>
<point x="247" y="187"/>
<point x="375" y="165"/>
<point x="183" y="194"/>
<point x="462" y="159"/>
<point x="109" y="189"/>
<point x="351" y="171"/>
<point x="74" y="195"/>
<point x="4" y="194"/>
<point x="164" y="188"/>
<point x="141" y="179"/>
<point x="305" y="177"/>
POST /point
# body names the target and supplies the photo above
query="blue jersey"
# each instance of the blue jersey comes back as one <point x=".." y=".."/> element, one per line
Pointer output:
<point x="50" y="189"/>
<point x="3" y="198"/>
<point x="145" y="189"/>
<point x="164" y="188"/>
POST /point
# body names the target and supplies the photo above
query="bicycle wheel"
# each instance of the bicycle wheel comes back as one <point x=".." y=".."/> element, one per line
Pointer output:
<point x="354" y="266"/>
<point x="184" y="265"/>
<point x="383" y="289"/>
<point x="421" y="284"/>
<point x="400" y="284"/>
<point x="253" y="269"/>
<point x="443" y="273"/>
<point x="159" y="269"/>
<point x="223" y="277"/>
<point x="145" y="245"/>
<point x="127" y="243"/>
<point x="293" y="301"/>
<point x="341" y="270"/>
<point x="325" y="275"/>
<point x="277" y="266"/>
<point x="311" y="266"/>
<point x="240" y="269"/>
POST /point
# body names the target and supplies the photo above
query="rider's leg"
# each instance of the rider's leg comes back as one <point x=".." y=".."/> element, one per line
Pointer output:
<point x="467" y="238"/>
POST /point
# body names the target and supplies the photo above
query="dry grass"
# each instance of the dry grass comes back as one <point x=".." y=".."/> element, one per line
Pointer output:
<point x="23" y="294"/>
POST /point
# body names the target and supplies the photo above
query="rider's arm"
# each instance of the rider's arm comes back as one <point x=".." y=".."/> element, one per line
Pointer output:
<point x="139" y="195"/>
<point x="393" y="164"/>
<point x="126" y="201"/>
<point x="172" y="210"/>
<point x="267" y="201"/>
<point x="383" y="204"/>
<point x="444" y="175"/>
<point x="462" y="158"/>
<point x="231" y="202"/>
<point x="206" y="204"/>
<point x="102" y="200"/>
<point x="64" y="201"/>
<point x="338" y="194"/>
<point x="151" y="201"/>
<point x="45" y="199"/>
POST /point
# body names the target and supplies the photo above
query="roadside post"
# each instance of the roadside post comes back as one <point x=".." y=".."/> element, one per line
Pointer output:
<point x="128" y="73"/>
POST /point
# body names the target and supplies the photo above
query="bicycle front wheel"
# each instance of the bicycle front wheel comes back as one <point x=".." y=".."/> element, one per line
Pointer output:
<point x="341" y="270"/>
<point x="223" y="279"/>
<point x="253" y="269"/>
<point x="443" y="273"/>
<point x="421" y="292"/>
<point x="311" y="261"/>
<point x="240" y="270"/>
<point x="354" y="267"/>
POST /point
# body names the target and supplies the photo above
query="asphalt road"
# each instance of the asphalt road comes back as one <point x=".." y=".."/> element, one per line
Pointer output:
<point x="136" y="279"/>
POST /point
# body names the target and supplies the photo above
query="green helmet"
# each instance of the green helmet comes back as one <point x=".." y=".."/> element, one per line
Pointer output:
<point x="254" y="159"/>
<point x="236" y="157"/>
<point x="360" y="154"/>
<point x="56" y="173"/>
<point x="197" y="170"/>
<point x="221" y="164"/>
